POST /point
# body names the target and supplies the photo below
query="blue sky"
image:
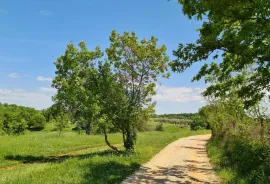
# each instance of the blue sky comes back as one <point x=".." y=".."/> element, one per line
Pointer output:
<point x="35" y="32"/>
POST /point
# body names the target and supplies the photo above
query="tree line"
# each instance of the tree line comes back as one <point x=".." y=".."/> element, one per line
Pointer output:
<point x="17" y="119"/>
<point x="175" y="116"/>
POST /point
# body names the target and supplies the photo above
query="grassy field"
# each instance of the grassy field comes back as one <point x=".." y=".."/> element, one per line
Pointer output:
<point x="29" y="157"/>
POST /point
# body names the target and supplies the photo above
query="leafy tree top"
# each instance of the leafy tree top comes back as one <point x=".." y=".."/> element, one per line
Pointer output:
<point x="235" y="35"/>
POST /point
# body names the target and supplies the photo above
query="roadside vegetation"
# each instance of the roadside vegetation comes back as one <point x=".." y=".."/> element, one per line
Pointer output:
<point x="234" y="45"/>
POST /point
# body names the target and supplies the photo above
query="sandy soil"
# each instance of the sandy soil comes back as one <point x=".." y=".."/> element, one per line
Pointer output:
<point x="184" y="161"/>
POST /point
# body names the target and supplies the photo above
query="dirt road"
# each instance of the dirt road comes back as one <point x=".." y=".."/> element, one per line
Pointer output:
<point x="184" y="161"/>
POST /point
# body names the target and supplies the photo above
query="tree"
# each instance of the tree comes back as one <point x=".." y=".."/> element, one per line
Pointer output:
<point x="38" y="121"/>
<point x="75" y="82"/>
<point x="111" y="100"/>
<point x="112" y="94"/>
<point x="15" y="119"/>
<point x="137" y="65"/>
<point x="62" y="122"/>
<point x="238" y="32"/>
<point x="12" y="124"/>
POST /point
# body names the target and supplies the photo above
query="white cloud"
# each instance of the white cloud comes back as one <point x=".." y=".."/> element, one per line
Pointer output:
<point x="36" y="100"/>
<point x="45" y="12"/>
<point x="14" y="75"/>
<point x="178" y="94"/>
<point x="42" y="79"/>
<point x="47" y="90"/>
<point x="17" y="75"/>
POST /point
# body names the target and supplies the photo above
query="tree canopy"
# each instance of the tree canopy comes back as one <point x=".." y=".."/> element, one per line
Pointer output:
<point x="111" y="94"/>
<point x="16" y="119"/>
<point x="235" y="38"/>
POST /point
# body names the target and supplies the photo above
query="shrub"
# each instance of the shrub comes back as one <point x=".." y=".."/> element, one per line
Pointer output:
<point x="248" y="160"/>
<point x="12" y="124"/>
<point x="38" y="122"/>
<point x="160" y="127"/>
<point x="198" y="123"/>
<point x="18" y="126"/>
<point x="2" y="132"/>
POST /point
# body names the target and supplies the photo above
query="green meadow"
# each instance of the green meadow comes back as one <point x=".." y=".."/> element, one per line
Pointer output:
<point x="45" y="157"/>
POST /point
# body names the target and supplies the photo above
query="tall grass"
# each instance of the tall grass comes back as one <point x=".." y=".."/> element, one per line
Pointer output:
<point x="240" y="160"/>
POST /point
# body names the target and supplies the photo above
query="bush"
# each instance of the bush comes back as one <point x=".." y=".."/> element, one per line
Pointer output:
<point x="160" y="127"/>
<point x="12" y="124"/>
<point x="198" y="123"/>
<point x="18" y="126"/>
<point x="2" y="132"/>
<point x="249" y="161"/>
<point x="38" y="122"/>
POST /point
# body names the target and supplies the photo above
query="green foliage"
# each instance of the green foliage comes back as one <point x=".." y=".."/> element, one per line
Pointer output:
<point x="137" y="65"/>
<point x="38" y="121"/>
<point x="235" y="35"/>
<point x="18" y="126"/>
<point x="75" y="82"/>
<point x="248" y="161"/>
<point x="198" y="123"/>
<point x="175" y="116"/>
<point x="50" y="113"/>
<point x="183" y="122"/>
<point x="15" y="119"/>
<point x="159" y="127"/>
<point x="200" y="120"/>
<point x="61" y="122"/>
<point x="114" y="94"/>
<point x="2" y="132"/>
<point x="239" y="147"/>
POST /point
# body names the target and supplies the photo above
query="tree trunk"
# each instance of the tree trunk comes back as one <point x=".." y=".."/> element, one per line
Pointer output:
<point x="60" y="131"/>
<point x="107" y="141"/>
<point x="123" y="134"/>
<point x="129" y="142"/>
<point x="88" y="129"/>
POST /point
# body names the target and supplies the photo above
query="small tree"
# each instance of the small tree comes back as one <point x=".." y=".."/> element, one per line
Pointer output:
<point x="75" y="82"/>
<point x="38" y="121"/>
<point x="18" y="126"/>
<point x="137" y="65"/>
<point x="61" y="122"/>
<point x="12" y="124"/>
<point x="198" y="123"/>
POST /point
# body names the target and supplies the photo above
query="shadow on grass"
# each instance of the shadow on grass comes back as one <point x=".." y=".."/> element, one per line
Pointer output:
<point x="107" y="172"/>
<point x="30" y="159"/>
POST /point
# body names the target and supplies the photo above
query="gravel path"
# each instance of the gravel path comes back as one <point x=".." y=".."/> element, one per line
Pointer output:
<point x="184" y="161"/>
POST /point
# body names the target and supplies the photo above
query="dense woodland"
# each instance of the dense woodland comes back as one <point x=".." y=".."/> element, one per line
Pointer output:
<point x="17" y="119"/>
